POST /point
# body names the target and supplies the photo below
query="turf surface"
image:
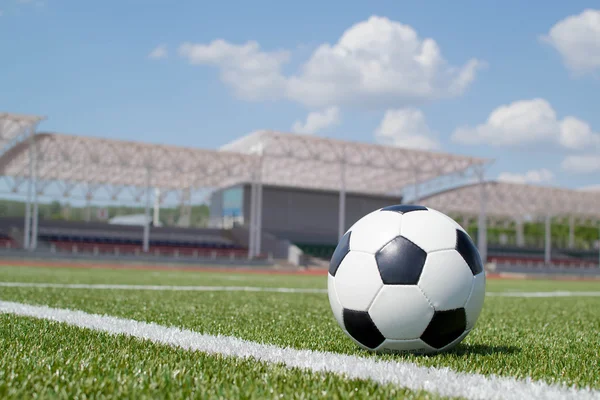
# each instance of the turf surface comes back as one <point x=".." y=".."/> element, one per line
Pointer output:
<point x="552" y="339"/>
<point x="43" y="359"/>
<point x="155" y="277"/>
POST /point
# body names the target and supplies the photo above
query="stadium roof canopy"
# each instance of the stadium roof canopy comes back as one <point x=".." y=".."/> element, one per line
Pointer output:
<point x="15" y="128"/>
<point x="318" y="163"/>
<point x="94" y="161"/>
<point x="284" y="159"/>
<point x="513" y="200"/>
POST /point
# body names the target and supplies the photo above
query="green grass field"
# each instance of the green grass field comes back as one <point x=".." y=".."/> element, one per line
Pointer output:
<point x="552" y="339"/>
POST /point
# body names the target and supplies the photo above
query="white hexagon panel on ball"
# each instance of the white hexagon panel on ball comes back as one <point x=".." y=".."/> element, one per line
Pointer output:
<point x="446" y="280"/>
<point x="401" y="312"/>
<point x="429" y="230"/>
<point x="357" y="281"/>
<point x="374" y="230"/>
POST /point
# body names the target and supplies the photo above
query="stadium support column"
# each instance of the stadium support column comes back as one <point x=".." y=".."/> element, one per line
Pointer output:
<point x="147" y="212"/>
<point x="156" y="213"/>
<point x="342" y="201"/>
<point x="571" y="232"/>
<point x="256" y="208"/>
<point x="35" y="220"/>
<point x="27" y="228"/>
<point x="548" y="241"/>
<point x="482" y="220"/>
<point x="88" y="203"/>
<point x="259" y="208"/>
<point x="258" y="205"/>
<point x="252" y="224"/>
<point x="520" y="233"/>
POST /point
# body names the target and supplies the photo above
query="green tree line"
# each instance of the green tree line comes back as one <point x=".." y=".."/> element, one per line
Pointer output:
<point x="584" y="236"/>
<point x="65" y="211"/>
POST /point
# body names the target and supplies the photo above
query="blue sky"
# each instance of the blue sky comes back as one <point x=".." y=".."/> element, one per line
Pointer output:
<point x="86" y="66"/>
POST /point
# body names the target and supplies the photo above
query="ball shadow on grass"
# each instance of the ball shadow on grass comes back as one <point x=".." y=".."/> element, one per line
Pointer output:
<point x="482" y="349"/>
<point x="459" y="350"/>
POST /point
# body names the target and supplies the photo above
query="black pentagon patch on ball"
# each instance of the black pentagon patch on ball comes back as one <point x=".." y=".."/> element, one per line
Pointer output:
<point x="400" y="262"/>
<point x="340" y="252"/>
<point x="362" y="328"/>
<point x="468" y="251"/>
<point x="445" y="327"/>
<point x="404" y="208"/>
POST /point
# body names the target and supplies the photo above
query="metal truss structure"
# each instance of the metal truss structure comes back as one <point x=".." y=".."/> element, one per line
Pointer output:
<point x="103" y="162"/>
<point x="517" y="201"/>
<point x="321" y="163"/>
<point x="14" y="128"/>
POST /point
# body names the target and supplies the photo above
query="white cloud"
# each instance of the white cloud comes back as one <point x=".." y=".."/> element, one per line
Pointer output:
<point x="527" y="122"/>
<point x="577" y="39"/>
<point x="577" y="134"/>
<point x="533" y="176"/>
<point x="252" y="73"/>
<point x="158" y="52"/>
<point x="375" y="63"/>
<point x="582" y="164"/>
<point x="317" y="121"/>
<point x="406" y="127"/>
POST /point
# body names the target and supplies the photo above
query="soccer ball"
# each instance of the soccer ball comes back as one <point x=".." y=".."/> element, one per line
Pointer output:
<point x="406" y="278"/>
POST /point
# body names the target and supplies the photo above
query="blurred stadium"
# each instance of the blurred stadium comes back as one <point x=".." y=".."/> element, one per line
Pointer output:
<point x="267" y="199"/>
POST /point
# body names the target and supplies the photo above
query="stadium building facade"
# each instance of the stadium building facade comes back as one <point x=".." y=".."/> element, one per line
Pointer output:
<point x="302" y="216"/>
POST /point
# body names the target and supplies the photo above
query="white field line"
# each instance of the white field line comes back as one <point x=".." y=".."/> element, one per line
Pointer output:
<point x="437" y="380"/>
<point x="544" y="294"/>
<point x="163" y="287"/>
<point x="258" y="289"/>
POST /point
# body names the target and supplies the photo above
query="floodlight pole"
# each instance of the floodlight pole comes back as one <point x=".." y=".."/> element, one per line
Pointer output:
<point x="147" y="212"/>
<point x="548" y="240"/>
<point x="342" y="200"/>
<point x="482" y="221"/>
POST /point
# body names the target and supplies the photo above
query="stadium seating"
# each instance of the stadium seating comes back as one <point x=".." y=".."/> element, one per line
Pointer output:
<point x="159" y="250"/>
<point x="7" y="242"/>
<point x="536" y="261"/>
<point x="102" y="238"/>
